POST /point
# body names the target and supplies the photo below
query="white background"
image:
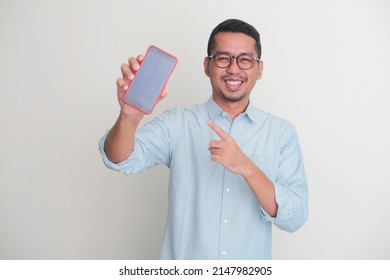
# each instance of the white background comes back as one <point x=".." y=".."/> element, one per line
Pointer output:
<point x="326" y="69"/>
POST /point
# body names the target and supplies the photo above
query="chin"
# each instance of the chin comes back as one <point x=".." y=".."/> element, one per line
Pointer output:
<point x="234" y="96"/>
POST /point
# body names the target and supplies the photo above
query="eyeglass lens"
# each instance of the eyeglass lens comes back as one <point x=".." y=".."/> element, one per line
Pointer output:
<point x="244" y="61"/>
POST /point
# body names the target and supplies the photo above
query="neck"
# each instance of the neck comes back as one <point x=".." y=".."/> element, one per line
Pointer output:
<point x="233" y="108"/>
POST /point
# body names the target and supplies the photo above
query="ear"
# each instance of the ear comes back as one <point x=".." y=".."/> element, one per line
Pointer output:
<point x="206" y="63"/>
<point x="260" y="70"/>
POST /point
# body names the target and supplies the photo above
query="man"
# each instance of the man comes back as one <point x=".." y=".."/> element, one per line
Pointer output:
<point x="235" y="170"/>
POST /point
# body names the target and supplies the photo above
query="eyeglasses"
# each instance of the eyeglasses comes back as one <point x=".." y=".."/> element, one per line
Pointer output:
<point x="245" y="60"/>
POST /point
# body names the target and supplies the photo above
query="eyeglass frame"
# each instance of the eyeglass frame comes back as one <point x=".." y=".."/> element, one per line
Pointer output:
<point x="234" y="57"/>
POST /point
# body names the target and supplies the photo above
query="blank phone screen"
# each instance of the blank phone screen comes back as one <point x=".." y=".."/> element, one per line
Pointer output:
<point x="150" y="79"/>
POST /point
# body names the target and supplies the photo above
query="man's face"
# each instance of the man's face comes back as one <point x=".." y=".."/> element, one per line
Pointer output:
<point x="233" y="84"/>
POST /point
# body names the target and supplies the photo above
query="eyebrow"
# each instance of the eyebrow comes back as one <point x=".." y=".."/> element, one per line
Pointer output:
<point x="249" y="53"/>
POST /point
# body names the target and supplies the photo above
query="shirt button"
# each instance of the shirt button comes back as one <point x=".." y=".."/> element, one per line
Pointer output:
<point x="226" y="221"/>
<point x="223" y="253"/>
<point x="228" y="190"/>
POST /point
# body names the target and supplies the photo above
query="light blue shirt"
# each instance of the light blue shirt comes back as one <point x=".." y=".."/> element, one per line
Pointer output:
<point x="212" y="213"/>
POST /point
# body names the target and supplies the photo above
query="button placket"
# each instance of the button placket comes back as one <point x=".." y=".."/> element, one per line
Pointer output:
<point x="225" y="224"/>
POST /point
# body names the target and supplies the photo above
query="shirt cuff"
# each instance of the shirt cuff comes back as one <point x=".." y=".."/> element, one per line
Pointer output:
<point x="292" y="212"/>
<point x="120" y="166"/>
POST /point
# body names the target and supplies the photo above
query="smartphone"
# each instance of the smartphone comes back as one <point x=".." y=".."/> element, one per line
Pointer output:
<point x="149" y="81"/>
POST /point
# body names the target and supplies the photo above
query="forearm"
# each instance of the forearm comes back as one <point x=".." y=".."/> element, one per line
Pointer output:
<point x="227" y="153"/>
<point x="120" y="140"/>
<point x="262" y="187"/>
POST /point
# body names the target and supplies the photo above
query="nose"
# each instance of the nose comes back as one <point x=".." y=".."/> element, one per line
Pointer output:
<point x="234" y="68"/>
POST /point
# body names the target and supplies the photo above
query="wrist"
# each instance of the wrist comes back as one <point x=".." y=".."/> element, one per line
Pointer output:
<point x="248" y="170"/>
<point x="132" y="117"/>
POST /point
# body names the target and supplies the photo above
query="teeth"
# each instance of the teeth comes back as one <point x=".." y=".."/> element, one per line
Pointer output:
<point x="233" y="83"/>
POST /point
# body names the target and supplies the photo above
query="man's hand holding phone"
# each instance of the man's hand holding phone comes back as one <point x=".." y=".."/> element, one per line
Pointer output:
<point x="144" y="80"/>
<point x="128" y="73"/>
<point x="142" y="85"/>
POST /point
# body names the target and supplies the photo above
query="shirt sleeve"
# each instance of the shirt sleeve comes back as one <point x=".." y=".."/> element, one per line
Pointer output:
<point x="153" y="146"/>
<point x="291" y="189"/>
<point x="121" y="166"/>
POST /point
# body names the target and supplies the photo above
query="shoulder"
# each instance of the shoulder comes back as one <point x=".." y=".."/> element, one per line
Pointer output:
<point x="280" y="129"/>
<point x="180" y="115"/>
<point x="267" y="119"/>
<point x="173" y="121"/>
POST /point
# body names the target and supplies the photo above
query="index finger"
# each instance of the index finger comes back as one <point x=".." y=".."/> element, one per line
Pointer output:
<point x="134" y="63"/>
<point x="220" y="132"/>
<point x="127" y="74"/>
<point x="132" y="66"/>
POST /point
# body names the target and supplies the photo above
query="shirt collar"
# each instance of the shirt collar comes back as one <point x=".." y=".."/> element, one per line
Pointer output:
<point x="214" y="110"/>
<point x="251" y="112"/>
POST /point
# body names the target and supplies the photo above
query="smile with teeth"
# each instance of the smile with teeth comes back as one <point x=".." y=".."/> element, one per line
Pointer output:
<point x="234" y="83"/>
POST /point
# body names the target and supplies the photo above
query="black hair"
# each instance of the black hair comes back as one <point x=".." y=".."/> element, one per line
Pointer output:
<point x="236" y="26"/>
